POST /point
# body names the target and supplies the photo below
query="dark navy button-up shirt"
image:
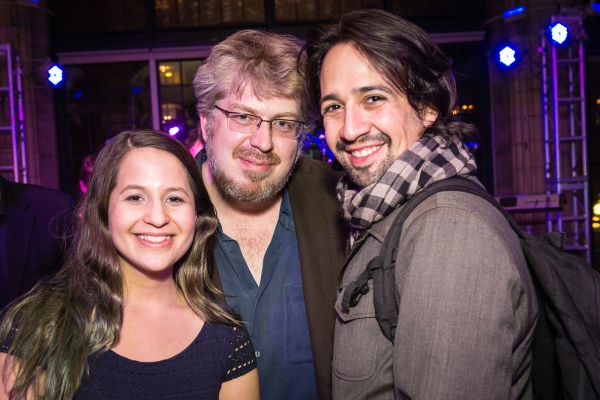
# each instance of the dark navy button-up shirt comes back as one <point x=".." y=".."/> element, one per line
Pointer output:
<point x="274" y="311"/>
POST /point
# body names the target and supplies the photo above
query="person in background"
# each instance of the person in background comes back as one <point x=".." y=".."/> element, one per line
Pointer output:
<point x="280" y="240"/>
<point x="193" y="143"/>
<point x="85" y="172"/>
<point x="32" y="227"/>
<point x="132" y="313"/>
<point x="384" y="93"/>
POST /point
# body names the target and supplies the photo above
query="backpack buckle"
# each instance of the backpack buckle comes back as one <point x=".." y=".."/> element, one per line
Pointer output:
<point x="357" y="294"/>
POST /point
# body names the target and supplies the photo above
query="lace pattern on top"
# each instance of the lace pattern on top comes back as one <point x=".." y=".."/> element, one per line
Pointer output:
<point x="242" y="359"/>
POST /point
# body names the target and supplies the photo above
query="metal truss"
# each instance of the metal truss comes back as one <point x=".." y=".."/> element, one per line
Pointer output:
<point x="565" y="135"/>
<point x="12" y="133"/>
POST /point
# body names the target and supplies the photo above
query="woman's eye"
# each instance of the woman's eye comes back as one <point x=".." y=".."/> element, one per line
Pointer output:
<point x="134" y="198"/>
<point x="175" y="200"/>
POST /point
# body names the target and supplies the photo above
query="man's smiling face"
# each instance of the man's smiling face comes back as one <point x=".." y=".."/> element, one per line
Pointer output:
<point x="368" y="122"/>
<point x="250" y="167"/>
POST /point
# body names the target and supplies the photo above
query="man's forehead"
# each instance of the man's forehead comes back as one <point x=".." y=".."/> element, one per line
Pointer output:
<point x="250" y="96"/>
<point x="359" y="77"/>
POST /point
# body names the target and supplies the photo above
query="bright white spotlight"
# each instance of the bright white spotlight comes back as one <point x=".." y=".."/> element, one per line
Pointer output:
<point x="174" y="131"/>
<point x="55" y="75"/>
<point x="558" y="33"/>
<point x="507" y="56"/>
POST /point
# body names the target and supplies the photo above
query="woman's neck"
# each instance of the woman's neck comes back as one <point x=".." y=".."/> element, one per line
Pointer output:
<point x="148" y="291"/>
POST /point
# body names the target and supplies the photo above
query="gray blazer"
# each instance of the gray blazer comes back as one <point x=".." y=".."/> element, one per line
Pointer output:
<point x="467" y="310"/>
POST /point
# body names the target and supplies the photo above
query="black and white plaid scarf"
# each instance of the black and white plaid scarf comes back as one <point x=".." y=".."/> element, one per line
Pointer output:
<point x="428" y="160"/>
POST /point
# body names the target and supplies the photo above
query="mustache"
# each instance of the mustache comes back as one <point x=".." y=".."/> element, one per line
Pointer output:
<point x="342" y="144"/>
<point x="271" y="158"/>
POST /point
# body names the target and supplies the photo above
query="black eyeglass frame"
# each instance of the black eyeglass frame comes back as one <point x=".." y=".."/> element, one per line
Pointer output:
<point x="299" y="130"/>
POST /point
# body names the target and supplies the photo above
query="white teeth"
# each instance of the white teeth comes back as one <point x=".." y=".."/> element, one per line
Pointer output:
<point x="364" y="152"/>
<point x="153" y="239"/>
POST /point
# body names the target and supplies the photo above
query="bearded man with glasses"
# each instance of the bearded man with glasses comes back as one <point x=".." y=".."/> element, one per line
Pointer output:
<point x="281" y="240"/>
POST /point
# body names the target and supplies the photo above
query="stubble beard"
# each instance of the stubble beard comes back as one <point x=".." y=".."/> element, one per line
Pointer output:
<point x="260" y="187"/>
<point x="363" y="176"/>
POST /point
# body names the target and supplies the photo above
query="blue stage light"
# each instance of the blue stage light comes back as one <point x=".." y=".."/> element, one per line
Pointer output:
<point x="507" y="56"/>
<point x="596" y="7"/>
<point x="513" y="12"/>
<point x="558" y="33"/>
<point x="55" y="75"/>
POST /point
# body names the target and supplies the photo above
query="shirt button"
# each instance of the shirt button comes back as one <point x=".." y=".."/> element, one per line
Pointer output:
<point x="234" y="252"/>
<point x="257" y="354"/>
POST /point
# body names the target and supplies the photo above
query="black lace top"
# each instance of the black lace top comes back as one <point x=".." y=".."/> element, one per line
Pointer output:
<point x="218" y="354"/>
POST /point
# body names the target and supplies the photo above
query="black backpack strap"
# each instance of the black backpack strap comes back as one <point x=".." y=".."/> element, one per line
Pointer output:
<point x="381" y="268"/>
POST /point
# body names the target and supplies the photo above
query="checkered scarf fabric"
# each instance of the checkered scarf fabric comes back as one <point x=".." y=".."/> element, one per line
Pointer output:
<point x="428" y="160"/>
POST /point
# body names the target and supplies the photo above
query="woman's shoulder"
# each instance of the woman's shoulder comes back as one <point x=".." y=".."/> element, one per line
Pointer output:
<point x="227" y="334"/>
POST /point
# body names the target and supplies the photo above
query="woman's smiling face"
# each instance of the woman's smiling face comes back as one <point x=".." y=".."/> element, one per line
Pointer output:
<point x="151" y="212"/>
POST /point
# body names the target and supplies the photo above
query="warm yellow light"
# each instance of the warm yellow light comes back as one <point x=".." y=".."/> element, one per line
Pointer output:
<point x="596" y="225"/>
<point x="595" y="218"/>
<point x="168" y="74"/>
<point x="470" y="106"/>
<point x="454" y="112"/>
<point x="598" y="101"/>
<point x="162" y="68"/>
<point x="596" y="208"/>
<point x="464" y="107"/>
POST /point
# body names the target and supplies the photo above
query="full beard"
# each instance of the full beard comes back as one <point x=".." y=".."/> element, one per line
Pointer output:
<point x="260" y="186"/>
<point x="365" y="176"/>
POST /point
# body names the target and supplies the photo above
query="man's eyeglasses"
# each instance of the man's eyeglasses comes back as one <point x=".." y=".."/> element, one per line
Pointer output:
<point x="248" y="123"/>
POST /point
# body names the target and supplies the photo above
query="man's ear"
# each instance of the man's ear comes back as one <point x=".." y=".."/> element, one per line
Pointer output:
<point x="203" y="120"/>
<point x="428" y="117"/>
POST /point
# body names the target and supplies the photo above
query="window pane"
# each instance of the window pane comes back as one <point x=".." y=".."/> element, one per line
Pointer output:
<point x="177" y="100"/>
<point x="329" y="9"/>
<point x="103" y="100"/>
<point x="254" y="11"/>
<point x="309" y="12"/>
<point x="231" y="11"/>
<point x="78" y="16"/>
<point x="188" y="12"/>
<point x="166" y="13"/>
<point x="189" y="69"/>
<point x="191" y="13"/>
<point x="210" y="13"/>
<point x="169" y="73"/>
<point x="319" y="10"/>
<point x="285" y="10"/>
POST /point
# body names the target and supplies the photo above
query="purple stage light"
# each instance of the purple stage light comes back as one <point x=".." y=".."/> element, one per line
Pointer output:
<point x="174" y="131"/>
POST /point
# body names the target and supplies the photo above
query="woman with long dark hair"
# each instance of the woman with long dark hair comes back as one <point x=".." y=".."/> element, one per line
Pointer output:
<point x="133" y="313"/>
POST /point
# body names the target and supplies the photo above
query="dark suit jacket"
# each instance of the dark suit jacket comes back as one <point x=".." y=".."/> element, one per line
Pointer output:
<point x="322" y="243"/>
<point x="34" y="233"/>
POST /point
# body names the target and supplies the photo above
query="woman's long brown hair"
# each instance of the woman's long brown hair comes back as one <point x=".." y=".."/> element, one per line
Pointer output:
<point x="62" y="321"/>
